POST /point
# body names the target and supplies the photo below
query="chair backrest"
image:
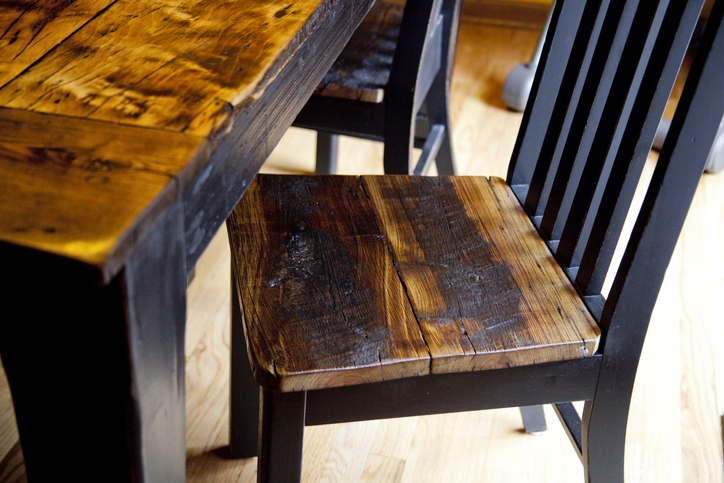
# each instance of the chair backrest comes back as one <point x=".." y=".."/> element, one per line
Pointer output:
<point x="420" y="56"/>
<point x="419" y="53"/>
<point x="606" y="73"/>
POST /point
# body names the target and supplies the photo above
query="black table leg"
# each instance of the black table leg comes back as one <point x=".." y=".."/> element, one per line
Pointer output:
<point x="97" y="372"/>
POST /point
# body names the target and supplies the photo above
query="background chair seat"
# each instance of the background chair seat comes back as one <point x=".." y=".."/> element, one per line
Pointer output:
<point x="362" y="70"/>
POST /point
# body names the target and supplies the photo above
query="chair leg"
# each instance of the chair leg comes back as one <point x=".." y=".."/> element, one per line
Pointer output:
<point x="603" y="437"/>
<point x="244" y="404"/>
<point x="534" y="419"/>
<point x="398" y="146"/>
<point x="438" y="113"/>
<point x="326" y="153"/>
<point x="282" y="435"/>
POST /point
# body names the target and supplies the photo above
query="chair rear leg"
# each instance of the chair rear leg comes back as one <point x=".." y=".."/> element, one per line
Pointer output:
<point x="534" y="419"/>
<point x="326" y="153"/>
<point x="282" y="435"/>
<point x="398" y="145"/>
<point x="244" y="404"/>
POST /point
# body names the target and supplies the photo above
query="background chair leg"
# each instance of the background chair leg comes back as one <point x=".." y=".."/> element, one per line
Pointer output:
<point x="326" y="153"/>
<point x="282" y="434"/>
<point x="244" y="404"/>
<point x="444" y="160"/>
<point x="438" y="113"/>
<point x="534" y="419"/>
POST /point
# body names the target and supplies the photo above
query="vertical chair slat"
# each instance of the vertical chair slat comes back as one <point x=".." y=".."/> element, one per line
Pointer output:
<point x="543" y="189"/>
<point x="636" y="138"/>
<point x="613" y="29"/>
<point x="676" y="177"/>
<point x="617" y="122"/>
<point x="546" y="86"/>
<point x="594" y="124"/>
<point x="580" y="63"/>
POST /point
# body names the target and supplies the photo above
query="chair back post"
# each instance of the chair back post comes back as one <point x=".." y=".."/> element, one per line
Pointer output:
<point x="435" y="107"/>
<point x="418" y="46"/>
<point x="451" y="18"/>
<point x="671" y="191"/>
<point x="627" y="310"/>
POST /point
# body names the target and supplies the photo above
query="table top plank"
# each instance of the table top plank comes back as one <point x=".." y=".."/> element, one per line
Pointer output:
<point x="71" y="187"/>
<point x="144" y="91"/>
<point x="164" y="64"/>
<point x="28" y="30"/>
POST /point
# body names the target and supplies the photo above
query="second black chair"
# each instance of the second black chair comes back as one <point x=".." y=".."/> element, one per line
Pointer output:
<point x="391" y="84"/>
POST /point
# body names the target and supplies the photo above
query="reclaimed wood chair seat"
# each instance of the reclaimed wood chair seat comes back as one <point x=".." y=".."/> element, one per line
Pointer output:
<point x="390" y="84"/>
<point x="351" y="280"/>
<point x="377" y="297"/>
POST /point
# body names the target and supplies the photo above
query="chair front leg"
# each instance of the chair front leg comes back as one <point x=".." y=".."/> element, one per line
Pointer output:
<point x="281" y="429"/>
<point x="245" y="397"/>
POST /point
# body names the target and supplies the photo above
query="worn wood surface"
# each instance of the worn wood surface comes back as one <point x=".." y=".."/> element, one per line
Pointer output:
<point x="96" y="97"/>
<point x="363" y="68"/>
<point x="76" y="187"/>
<point x="674" y="431"/>
<point x="162" y="64"/>
<point x="324" y="306"/>
<point x="322" y="301"/>
<point x="488" y="290"/>
<point x="483" y="285"/>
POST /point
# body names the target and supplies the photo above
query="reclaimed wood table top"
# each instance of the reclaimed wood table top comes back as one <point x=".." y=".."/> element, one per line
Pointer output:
<point x="108" y="108"/>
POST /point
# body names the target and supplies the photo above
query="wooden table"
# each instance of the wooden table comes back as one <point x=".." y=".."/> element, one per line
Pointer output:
<point x="128" y="131"/>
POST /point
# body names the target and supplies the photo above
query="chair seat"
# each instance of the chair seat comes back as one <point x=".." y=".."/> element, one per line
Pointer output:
<point x="347" y="279"/>
<point x="362" y="70"/>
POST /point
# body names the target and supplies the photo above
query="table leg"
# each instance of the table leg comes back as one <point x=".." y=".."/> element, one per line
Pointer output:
<point x="97" y="372"/>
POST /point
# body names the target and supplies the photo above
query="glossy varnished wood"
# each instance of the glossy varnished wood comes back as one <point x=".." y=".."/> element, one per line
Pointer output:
<point x="318" y="261"/>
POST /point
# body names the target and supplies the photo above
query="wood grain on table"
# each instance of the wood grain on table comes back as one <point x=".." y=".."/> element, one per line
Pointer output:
<point x="108" y="109"/>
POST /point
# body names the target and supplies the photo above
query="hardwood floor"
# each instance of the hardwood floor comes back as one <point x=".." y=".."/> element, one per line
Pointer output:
<point x="675" y="431"/>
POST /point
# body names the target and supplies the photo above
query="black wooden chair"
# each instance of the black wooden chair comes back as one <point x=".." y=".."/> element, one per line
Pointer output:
<point x="387" y="296"/>
<point x="391" y="84"/>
